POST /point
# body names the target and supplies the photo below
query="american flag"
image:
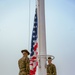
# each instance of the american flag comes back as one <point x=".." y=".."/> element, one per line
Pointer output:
<point x="34" y="45"/>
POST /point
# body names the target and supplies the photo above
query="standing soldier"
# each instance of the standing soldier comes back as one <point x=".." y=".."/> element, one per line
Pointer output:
<point x="23" y="63"/>
<point x="51" y="68"/>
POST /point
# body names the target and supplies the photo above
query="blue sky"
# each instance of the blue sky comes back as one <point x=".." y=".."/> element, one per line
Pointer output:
<point x="60" y="33"/>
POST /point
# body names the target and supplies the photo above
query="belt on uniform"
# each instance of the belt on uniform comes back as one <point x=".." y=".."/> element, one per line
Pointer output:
<point x="23" y="69"/>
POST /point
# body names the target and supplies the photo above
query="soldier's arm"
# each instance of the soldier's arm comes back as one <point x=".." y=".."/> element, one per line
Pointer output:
<point x="48" y="70"/>
<point x="28" y="66"/>
<point x="54" y="70"/>
<point x="18" y="64"/>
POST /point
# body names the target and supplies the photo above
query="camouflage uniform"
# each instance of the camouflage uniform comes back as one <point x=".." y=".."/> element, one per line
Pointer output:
<point x="51" y="69"/>
<point x="23" y="64"/>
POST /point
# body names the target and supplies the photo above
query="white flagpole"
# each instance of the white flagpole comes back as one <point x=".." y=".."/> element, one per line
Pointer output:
<point x="41" y="38"/>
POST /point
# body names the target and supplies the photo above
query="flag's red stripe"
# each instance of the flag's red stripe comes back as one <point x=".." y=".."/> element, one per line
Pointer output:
<point x="35" y="47"/>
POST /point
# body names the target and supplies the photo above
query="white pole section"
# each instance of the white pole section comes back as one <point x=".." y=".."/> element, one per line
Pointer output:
<point x="41" y="37"/>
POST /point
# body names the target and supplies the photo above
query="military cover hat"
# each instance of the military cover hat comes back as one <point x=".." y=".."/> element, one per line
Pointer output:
<point x="49" y="58"/>
<point x="25" y="50"/>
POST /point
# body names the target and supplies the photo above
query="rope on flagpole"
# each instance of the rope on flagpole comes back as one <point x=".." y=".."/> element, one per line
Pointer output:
<point x="29" y="26"/>
<point x="29" y="22"/>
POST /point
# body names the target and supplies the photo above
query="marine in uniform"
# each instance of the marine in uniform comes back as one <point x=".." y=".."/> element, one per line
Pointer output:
<point x="51" y="68"/>
<point x="23" y="63"/>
